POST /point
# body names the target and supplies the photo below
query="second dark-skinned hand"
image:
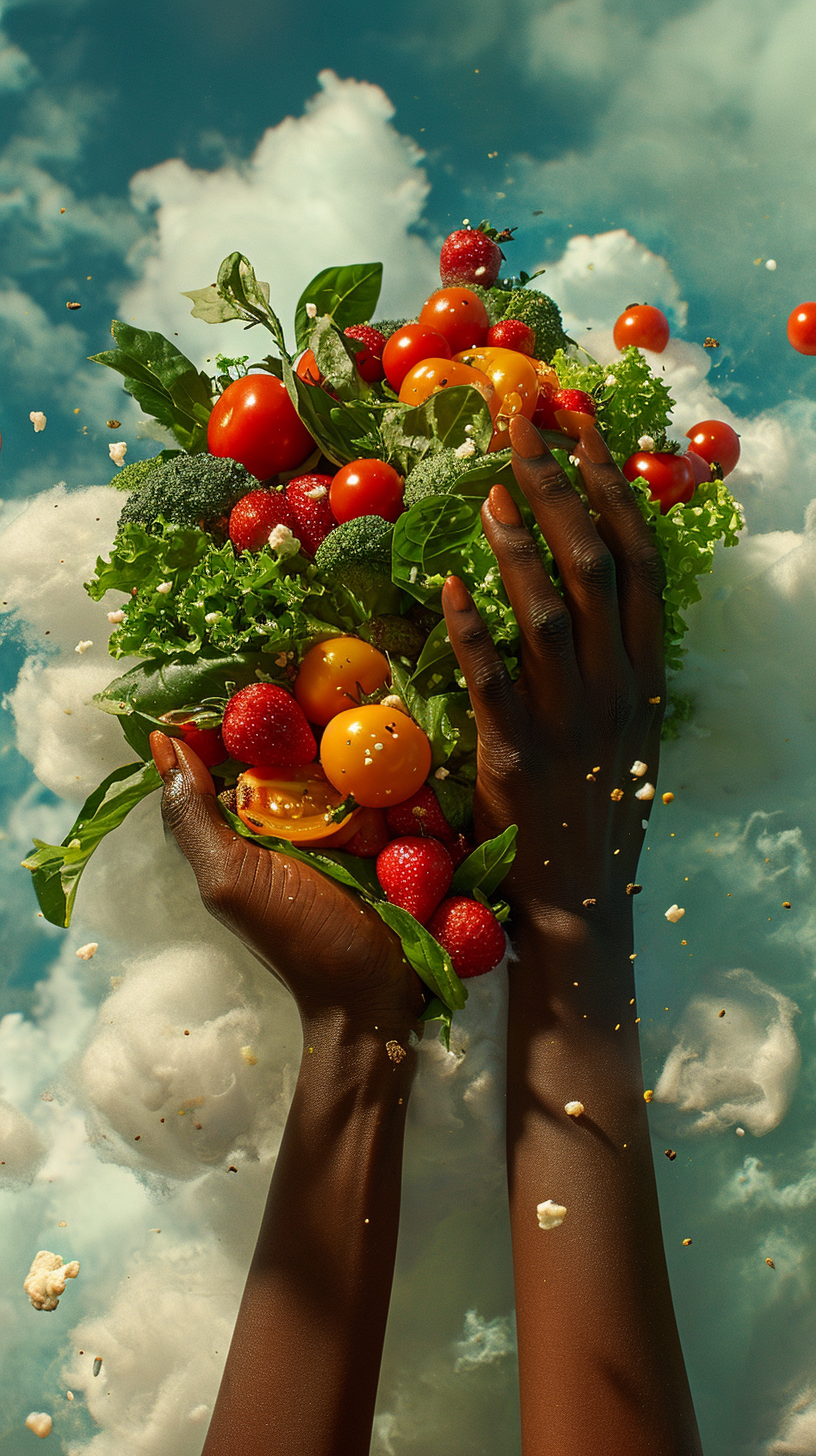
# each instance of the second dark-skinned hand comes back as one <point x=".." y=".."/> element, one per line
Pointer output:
<point x="556" y="747"/>
<point x="329" y="948"/>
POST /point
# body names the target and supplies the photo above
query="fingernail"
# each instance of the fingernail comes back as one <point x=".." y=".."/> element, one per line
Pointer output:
<point x="456" y="594"/>
<point x="525" y="439"/>
<point x="164" y="753"/>
<point x="591" y="442"/>
<point x="502" y="506"/>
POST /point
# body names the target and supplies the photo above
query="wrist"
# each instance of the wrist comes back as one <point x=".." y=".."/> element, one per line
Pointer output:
<point x="375" y="1050"/>
<point x="555" y="949"/>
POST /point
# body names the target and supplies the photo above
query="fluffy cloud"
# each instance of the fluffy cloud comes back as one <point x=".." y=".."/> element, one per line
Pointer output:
<point x="301" y="196"/>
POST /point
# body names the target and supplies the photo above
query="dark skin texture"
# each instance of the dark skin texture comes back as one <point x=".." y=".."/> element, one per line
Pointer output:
<point x="601" y="1368"/>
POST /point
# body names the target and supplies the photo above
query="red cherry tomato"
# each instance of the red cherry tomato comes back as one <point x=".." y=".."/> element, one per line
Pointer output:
<point x="700" y="468"/>
<point x="366" y="488"/>
<point x="715" y="440"/>
<point x="255" y="423"/>
<point x="670" y="478"/>
<point x="802" y="328"/>
<point x="409" y="346"/>
<point x="644" y="326"/>
<point x="458" y="315"/>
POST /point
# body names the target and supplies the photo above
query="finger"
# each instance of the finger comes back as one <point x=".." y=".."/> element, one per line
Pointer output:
<point x="585" y="564"/>
<point x="547" y="650"/>
<point x="495" y="703"/>
<point x="638" y="564"/>
<point x="190" y="809"/>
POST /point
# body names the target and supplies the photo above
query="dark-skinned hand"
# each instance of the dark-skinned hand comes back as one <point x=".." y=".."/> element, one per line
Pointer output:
<point x="556" y="745"/>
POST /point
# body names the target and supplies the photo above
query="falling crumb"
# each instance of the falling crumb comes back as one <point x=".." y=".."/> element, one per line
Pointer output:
<point x="710" y="343"/>
<point x="40" y="1422"/>
<point x="668" y="798"/>
<point x="97" y="1365"/>
<point x="648" y="1095"/>
<point x="646" y="443"/>
<point x="573" y="1109"/>
<point x="686" y="1243"/>
<point x="591" y="779"/>
<point x="249" y="1056"/>
<point x="164" y="587"/>
<point x="633" y="889"/>
<point x="671" y="1154"/>
<point x="786" y="904"/>
<point x="740" y="1131"/>
<point x="232" y="1168"/>
<point x="617" y="795"/>
<point x="645" y="792"/>
<point x="82" y="647"/>
<point x="644" y="824"/>
<point x="311" y="310"/>
<point x="395" y="1052"/>
<point x="38" y="420"/>
<point x="73" y="305"/>
<point x="674" y="913"/>
<point x="721" y="1013"/>
<point x="550" y="1214"/>
<point x="316" y="493"/>
<point x="465" y="450"/>
<point x="115" y="617"/>
<point x="69" y="1395"/>
<point x="114" y="424"/>
<point x="770" y="1263"/>
<point x="45" y="1280"/>
<point x="87" y="952"/>
<point x="771" y="266"/>
<point x="62" y="1223"/>
<point x="118" y="452"/>
<point x="590" y="901"/>
<point x="655" y="700"/>
<point x="638" y="768"/>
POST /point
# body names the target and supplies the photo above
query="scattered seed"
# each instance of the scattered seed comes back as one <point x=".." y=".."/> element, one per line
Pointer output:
<point x="770" y="1263"/>
<point x="395" y="1052"/>
<point x="648" y="1095"/>
<point x="721" y="1013"/>
<point x="740" y="1131"/>
<point x="671" y="1154"/>
<point x="73" y="305"/>
<point x="633" y="889"/>
<point x="686" y="1243"/>
<point x="786" y="904"/>
<point x="711" y="343"/>
<point x="114" y="424"/>
<point x="654" y="700"/>
<point x="589" y="902"/>
<point x="668" y="798"/>
<point x="617" y="795"/>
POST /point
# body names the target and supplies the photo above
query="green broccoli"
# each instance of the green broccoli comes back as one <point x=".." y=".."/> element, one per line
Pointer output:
<point x="436" y="474"/>
<point x="357" y="556"/>
<point x="190" y="490"/>
<point x="387" y="327"/>
<point x="543" y="317"/>
<point x="130" y="477"/>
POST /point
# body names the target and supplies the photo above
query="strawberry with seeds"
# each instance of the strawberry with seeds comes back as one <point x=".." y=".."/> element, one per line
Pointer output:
<point x="369" y="360"/>
<point x="420" y="814"/>
<point x="470" y="256"/>
<point x="513" y="334"/>
<point x="264" y="725"/>
<point x="307" y="499"/>
<point x="470" y="933"/>
<point x="415" y="874"/>
<point x="255" y="516"/>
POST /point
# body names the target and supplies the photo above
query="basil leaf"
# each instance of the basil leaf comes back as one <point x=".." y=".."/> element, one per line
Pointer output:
<point x="348" y="293"/>
<point x="347" y="869"/>
<point x="238" y="294"/>
<point x="335" y="430"/>
<point x="487" y="866"/>
<point x="429" y="712"/>
<point x="436" y="1010"/>
<point x="430" y="540"/>
<point x="56" y="868"/>
<point x="335" y="358"/>
<point x="436" y="663"/>
<point x="432" y="964"/>
<point x="163" y="381"/>
<point x="455" y="416"/>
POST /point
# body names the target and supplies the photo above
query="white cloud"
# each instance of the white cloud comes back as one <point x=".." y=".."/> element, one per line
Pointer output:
<point x="597" y="277"/>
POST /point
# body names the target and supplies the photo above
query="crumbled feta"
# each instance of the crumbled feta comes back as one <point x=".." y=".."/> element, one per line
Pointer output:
<point x="468" y="429"/>
<point x="87" y="952"/>
<point x="164" y="587"/>
<point x="249" y="1056"/>
<point x="573" y="1109"/>
<point x="83" y="646"/>
<point x="317" y="492"/>
<point x="392" y="701"/>
<point x="40" y="1423"/>
<point x="117" y="452"/>
<point x="116" y="617"/>
<point x="38" y="420"/>
<point x="674" y="913"/>
<point x="646" y="443"/>
<point x="638" y="769"/>
<point x="480" y="271"/>
<point x="465" y="450"/>
<point x="646" y="792"/>
<point x="644" y="823"/>
<point x="45" y="1280"/>
<point x="442" y="772"/>
<point x="412" y="574"/>
<point x="771" y="265"/>
<point x="740" y="1131"/>
<point x="311" y="310"/>
<point x="611" y="379"/>
<point x="282" y="540"/>
<point x="550" y="1214"/>
<point x="211" y="618"/>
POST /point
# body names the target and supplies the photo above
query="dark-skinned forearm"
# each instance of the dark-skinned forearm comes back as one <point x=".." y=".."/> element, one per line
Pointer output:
<point x="302" y="1371"/>
<point x="600" y="1364"/>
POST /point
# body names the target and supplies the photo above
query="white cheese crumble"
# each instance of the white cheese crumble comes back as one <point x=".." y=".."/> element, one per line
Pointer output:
<point x="117" y="452"/>
<point x="392" y="701"/>
<point x="740" y="1131"/>
<point x="771" y="265"/>
<point x="87" y="952"/>
<point x="116" y="617"/>
<point x="311" y="310"/>
<point x="45" y="1280"/>
<point x="647" y="792"/>
<point x="611" y="379"/>
<point x="211" y="618"/>
<point x="480" y="271"/>
<point x="249" y="1056"/>
<point x="469" y="429"/>
<point x="646" y="443"/>
<point x="465" y="450"/>
<point x="282" y="540"/>
<point x="316" y="493"/>
<point x="644" y="823"/>
<point x="573" y="1109"/>
<point x="40" y="1423"/>
<point x="83" y="646"/>
<point x="638" y="768"/>
<point x="164" y="587"/>
<point x="412" y="574"/>
<point x="38" y="420"/>
<point x="550" y="1214"/>
<point x="442" y="773"/>
<point x="674" y="913"/>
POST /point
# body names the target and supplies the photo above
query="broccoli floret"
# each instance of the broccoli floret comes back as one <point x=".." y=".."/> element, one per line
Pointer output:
<point x="190" y="490"/>
<point x="437" y="474"/>
<point x="130" y="477"/>
<point x="543" y="317"/>
<point x="387" y="327"/>
<point x="357" y="555"/>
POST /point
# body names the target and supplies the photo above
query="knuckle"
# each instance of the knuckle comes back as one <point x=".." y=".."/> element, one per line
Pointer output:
<point x="551" y="627"/>
<point x="490" y="684"/>
<point x="649" y="569"/>
<point x="595" y="570"/>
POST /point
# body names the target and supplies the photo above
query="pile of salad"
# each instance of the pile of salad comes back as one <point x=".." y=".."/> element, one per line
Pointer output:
<point x="278" y="573"/>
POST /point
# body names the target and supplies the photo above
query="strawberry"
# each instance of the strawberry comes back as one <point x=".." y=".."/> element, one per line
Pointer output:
<point x="421" y="815"/>
<point x="254" y="516"/>
<point x="470" y="933"/>
<point x="459" y="849"/>
<point x="511" y="333"/>
<point x="369" y="362"/>
<point x="415" y="874"/>
<point x="307" y="499"/>
<point x="470" y="256"/>
<point x="263" y="724"/>
<point x="574" y="399"/>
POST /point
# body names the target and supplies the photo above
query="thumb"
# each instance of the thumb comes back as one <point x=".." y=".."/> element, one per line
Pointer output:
<point x="190" y="809"/>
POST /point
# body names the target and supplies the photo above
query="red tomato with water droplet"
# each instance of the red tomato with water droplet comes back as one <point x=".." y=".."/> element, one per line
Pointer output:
<point x="715" y="440"/>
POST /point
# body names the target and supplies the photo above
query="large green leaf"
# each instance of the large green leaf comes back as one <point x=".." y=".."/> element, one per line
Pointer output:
<point x="163" y="381"/>
<point x="487" y="866"/>
<point x="336" y="430"/>
<point x="348" y="293"/>
<point x="431" y="540"/>
<point x="432" y="964"/>
<point x="56" y="868"/>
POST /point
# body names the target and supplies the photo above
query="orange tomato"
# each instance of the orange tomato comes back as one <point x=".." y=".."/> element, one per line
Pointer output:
<point x="431" y="375"/>
<point x="333" y="672"/>
<point x="515" y="381"/>
<point x="378" y="754"/>
<point x="291" y="804"/>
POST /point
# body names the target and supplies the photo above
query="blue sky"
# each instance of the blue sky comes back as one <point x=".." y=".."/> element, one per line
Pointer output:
<point x="645" y="150"/>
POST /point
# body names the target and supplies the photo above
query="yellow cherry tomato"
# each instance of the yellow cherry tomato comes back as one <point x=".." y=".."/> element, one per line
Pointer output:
<point x="378" y="754"/>
<point x="332" y="674"/>
<point x="291" y="804"/>
<point x="431" y="375"/>
<point x="516" y="384"/>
